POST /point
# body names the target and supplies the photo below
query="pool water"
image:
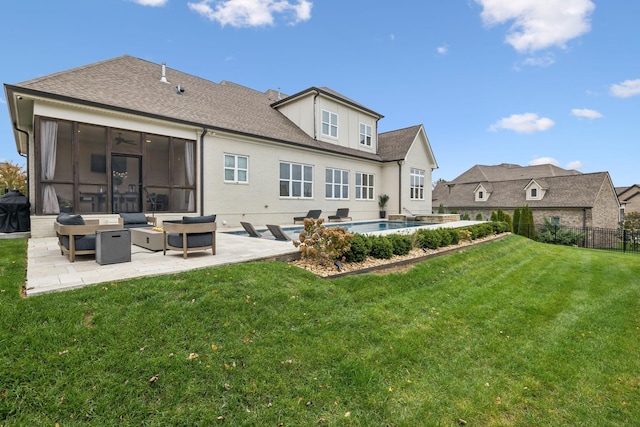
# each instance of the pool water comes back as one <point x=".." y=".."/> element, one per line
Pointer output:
<point x="354" y="227"/>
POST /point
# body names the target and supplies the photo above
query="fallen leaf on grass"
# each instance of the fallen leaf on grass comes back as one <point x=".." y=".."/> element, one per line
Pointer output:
<point x="192" y="356"/>
<point x="63" y="352"/>
<point x="154" y="378"/>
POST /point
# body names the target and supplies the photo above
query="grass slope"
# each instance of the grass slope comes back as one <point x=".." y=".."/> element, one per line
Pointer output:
<point x="510" y="333"/>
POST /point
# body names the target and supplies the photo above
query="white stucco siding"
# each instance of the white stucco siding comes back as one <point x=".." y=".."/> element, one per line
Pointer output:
<point x="259" y="201"/>
<point x="300" y="112"/>
<point x="349" y="120"/>
<point x="418" y="157"/>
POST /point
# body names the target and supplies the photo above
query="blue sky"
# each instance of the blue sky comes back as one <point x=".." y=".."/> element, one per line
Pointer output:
<point x="492" y="81"/>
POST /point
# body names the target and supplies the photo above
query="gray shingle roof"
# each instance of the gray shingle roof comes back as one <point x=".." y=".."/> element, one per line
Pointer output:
<point x="506" y="171"/>
<point x="133" y="85"/>
<point x="578" y="190"/>
<point x="395" y="144"/>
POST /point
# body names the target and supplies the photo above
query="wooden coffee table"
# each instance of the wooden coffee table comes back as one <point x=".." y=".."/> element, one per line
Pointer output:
<point x="147" y="238"/>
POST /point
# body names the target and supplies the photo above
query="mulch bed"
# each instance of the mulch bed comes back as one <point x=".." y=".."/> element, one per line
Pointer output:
<point x="396" y="263"/>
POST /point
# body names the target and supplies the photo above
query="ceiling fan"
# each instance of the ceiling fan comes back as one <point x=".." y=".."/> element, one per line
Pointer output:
<point x="121" y="140"/>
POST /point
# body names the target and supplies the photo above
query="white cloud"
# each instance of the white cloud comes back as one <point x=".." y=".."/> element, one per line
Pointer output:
<point x="523" y="123"/>
<point x="539" y="24"/>
<point x="540" y="61"/>
<point x="152" y="3"/>
<point x="443" y="50"/>
<point x="626" y="89"/>
<point x="544" y="161"/>
<point x="586" y="113"/>
<point x="252" y="13"/>
<point x="576" y="164"/>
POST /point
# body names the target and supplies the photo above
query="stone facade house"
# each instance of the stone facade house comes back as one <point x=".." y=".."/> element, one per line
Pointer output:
<point x="566" y="197"/>
<point x="128" y="135"/>
<point x="629" y="198"/>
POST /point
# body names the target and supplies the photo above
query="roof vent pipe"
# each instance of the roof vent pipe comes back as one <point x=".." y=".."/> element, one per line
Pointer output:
<point x="163" y="79"/>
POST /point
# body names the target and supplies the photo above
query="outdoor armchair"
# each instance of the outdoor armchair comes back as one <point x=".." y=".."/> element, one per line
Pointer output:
<point x="77" y="236"/>
<point x="191" y="234"/>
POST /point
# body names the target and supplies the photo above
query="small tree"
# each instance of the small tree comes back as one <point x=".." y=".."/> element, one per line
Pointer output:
<point x="525" y="225"/>
<point x="516" y="220"/>
<point x="12" y="176"/>
<point x="441" y="209"/>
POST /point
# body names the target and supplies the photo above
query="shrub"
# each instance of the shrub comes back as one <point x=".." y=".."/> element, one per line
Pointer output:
<point x="454" y="236"/>
<point x="429" y="239"/>
<point x="479" y="217"/>
<point x="445" y="236"/>
<point x="325" y="244"/>
<point x="466" y="217"/>
<point x="360" y="249"/>
<point x="464" y="234"/>
<point x="402" y="244"/>
<point x="553" y="233"/>
<point x="381" y="247"/>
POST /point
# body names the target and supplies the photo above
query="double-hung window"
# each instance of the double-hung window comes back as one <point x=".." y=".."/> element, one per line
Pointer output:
<point x="236" y="168"/>
<point x="364" y="186"/>
<point x="296" y="180"/>
<point x="365" y="134"/>
<point x="417" y="184"/>
<point x="337" y="184"/>
<point x="329" y="124"/>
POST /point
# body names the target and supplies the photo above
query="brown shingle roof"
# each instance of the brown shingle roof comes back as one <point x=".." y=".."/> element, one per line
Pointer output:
<point x="506" y="171"/>
<point x="579" y="190"/>
<point x="133" y="85"/>
<point x="395" y="144"/>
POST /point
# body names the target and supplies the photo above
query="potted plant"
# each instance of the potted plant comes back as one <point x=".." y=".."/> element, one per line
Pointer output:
<point x="383" y="199"/>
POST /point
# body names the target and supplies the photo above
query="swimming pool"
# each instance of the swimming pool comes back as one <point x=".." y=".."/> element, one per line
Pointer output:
<point x="353" y="227"/>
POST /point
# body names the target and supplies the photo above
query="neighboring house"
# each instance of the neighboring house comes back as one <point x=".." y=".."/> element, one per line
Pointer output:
<point x="564" y="196"/>
<point x="629" y="198"/>
<point x="128" y="135"/>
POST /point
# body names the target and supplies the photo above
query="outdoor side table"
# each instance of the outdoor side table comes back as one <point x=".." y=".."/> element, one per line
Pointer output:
<point x="113" y="246"/>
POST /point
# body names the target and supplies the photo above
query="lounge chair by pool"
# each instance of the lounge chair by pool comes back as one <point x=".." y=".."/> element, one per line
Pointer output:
<point x="250" y="229"/>
<point x="278" y="233"/>
<point x="341" y="213"/>
<point x="313" y="214"/>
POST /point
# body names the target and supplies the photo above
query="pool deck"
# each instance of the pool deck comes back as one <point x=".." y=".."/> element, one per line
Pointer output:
<point x="49" y="271"/>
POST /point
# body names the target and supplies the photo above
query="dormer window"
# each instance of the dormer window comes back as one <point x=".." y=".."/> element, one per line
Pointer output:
<point x="329" y="124"/>
<point x="535" y="189"/>
<point x="481" y="193"/>
<point x="365" y="135"/>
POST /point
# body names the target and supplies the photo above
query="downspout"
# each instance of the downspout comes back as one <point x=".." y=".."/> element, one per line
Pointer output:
<point x="204" y="132"/>
<point x="315" y="116"/>
<point x="400" y="163"/>
<point x="26" y="156"/>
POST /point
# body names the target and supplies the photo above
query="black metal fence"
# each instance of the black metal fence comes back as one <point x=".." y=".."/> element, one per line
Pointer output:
<point x="619" y="240"/>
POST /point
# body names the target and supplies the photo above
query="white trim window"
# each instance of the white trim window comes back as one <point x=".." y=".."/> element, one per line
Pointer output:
<point x="296" y="180"/>
<point x="365" y="134"/>
<point x="329" y="124"/>
<point x="364" y="186"/>
<point x="236" y="168"/>
<point x="337" y="184"/>
<point x="417" y="184"/>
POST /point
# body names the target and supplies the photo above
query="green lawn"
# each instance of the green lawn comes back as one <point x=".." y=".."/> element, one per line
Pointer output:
<point x="511" y="333"/>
